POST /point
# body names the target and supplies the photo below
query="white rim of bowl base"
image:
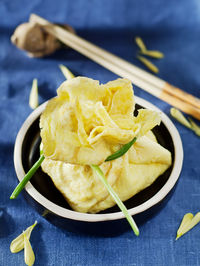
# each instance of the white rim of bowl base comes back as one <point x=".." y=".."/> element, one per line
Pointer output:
<point x="70" y="214"/>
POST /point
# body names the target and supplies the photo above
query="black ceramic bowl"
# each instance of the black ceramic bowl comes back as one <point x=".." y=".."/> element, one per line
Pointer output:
<point x="42" y="194"/>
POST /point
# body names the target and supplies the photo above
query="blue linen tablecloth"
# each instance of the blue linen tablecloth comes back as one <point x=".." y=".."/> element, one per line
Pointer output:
<point x="170" y="26"/>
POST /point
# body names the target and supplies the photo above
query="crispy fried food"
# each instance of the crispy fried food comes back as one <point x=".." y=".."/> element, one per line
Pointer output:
<point x="87" y="121"/>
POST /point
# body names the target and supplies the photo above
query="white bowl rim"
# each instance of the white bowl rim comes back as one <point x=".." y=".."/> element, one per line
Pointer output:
<point x="86" y="217"/>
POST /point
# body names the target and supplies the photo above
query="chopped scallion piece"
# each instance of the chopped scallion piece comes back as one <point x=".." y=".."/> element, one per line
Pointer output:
<point x="33" y="98"/>
<point x="148" y="64"/>
<point x="118" y="201"/>
<point x="175" y="113"/>
<point x="66" y="72"/>
<point x="194" y="127"/>
<point x="188" y="222"/>
<point x="151" y="53"/>
<point x="140" y="44"/>
<point x="29" y="256"/>
<point x="18" y="243"/>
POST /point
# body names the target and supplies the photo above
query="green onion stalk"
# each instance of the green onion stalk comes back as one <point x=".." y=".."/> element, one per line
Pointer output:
<point x="27" y="177"/>
<point x="118" y="201"/>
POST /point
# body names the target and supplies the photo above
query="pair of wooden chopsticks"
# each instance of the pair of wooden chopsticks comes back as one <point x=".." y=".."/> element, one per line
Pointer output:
<point x="144" y="80"/>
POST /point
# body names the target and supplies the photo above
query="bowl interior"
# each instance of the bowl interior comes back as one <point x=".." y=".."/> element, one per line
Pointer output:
<point x="44" y="185"/>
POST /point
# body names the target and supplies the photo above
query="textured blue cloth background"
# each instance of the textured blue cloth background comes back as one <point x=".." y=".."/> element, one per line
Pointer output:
<point x="171" y="26"/>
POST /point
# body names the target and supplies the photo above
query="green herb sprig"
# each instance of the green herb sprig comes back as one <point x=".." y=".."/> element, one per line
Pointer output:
<point x="114" y="195"/>
<point x="27" y="177"/>
<point x="121" y="151"/>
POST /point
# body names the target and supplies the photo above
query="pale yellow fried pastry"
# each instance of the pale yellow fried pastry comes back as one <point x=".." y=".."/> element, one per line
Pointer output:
<point x="87" y="121"/>
<point x="85" y="124"/>
<point x="128" y="175"/>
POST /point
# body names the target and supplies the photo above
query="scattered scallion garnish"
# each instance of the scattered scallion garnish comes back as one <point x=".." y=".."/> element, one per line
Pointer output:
<point x="33" y="98"/>
<point x="22" y="242"/>
<point x="27" y="177"/>
<point x="66" y="72"/>
<point x="18" y="243"/>
<point x="121" y="151"/>
<point x="145" y="51"/>
<point x="188" y="222"/>
<point x="152" y="53"/>
<point x="195" y="127"/>
<point x="140" y="43"/>
<point x="114" y="195"/>
<point x="29" y="256"/>
<point x="148" y="63"/>
<point x="176" y="114"/>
